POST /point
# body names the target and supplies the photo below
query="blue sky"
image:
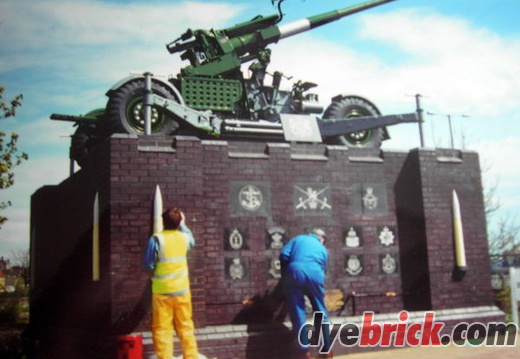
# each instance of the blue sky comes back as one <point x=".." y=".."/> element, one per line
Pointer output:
<point x="463" y="56"/>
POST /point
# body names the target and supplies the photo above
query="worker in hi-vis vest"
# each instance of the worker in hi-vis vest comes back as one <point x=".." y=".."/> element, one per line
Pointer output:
<point x="171" y="296"/>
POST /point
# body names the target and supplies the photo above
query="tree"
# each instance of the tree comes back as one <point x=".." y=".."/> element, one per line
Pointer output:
<point x="10" y="156"/>
<point x="22" y="259"/>
<point x="505" y="238"/>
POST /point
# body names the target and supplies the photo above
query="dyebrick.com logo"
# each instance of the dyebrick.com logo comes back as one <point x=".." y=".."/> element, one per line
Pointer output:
<point x="402" y="333"/>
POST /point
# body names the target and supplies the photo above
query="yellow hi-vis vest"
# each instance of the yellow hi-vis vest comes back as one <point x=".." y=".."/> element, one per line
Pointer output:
<point x="171" y="268"/>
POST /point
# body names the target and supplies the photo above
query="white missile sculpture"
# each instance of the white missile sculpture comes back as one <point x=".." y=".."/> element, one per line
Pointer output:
<point x="157" y="211"/>
<point x="460" y="252"/>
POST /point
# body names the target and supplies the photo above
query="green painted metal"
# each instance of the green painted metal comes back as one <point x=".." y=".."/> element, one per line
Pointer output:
<point x="221" y="52"/>
<point x="213" y="96"/>
<point x="201" y="93"/>
<point x="334" y="15"/>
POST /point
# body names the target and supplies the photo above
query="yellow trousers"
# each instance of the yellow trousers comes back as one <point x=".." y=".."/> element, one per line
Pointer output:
<point x="169" y="312"/>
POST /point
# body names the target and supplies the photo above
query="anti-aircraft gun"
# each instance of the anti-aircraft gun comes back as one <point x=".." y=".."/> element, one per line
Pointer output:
<point x="212" y="97"/>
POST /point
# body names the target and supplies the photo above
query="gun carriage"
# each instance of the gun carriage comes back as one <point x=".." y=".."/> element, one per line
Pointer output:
<point x="211" y="97"/>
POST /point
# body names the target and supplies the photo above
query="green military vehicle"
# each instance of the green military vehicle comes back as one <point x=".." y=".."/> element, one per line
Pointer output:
<point x="211" y="97"/>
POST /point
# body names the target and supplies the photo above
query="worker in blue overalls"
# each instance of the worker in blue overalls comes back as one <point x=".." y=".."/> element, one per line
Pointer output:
<point x="304" y="261"/>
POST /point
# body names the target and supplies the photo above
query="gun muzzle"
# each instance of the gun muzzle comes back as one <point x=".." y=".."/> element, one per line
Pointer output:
<point x="177" y="46"/>
<point x="309" y="23"/>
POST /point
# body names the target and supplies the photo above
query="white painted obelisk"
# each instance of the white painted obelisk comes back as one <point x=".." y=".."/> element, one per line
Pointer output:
<point x="157" y="211"/>
<point x="460" y="252"/>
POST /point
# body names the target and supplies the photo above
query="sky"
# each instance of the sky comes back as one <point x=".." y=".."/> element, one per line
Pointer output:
<point x="462" y="57"/>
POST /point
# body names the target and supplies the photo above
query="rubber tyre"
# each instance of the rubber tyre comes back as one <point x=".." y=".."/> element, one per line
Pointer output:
<point x="125" y="110"/>
<point x="350" y="107"/>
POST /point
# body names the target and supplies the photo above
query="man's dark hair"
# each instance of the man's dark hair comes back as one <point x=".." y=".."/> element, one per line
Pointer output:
<point x="172" y="218"/>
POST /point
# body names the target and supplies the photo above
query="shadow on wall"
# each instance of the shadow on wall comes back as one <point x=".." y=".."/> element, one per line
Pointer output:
<point x="264" y="316"/>
<point x="68" y="316"/>
<point x="126" y="323"/>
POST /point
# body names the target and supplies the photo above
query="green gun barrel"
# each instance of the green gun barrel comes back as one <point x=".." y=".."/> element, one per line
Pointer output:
<point x="225" y="50"/>
<point x="318" y="20"/>
<point x="274" y="33"/>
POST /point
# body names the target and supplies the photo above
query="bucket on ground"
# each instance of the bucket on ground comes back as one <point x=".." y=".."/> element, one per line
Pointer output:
<point x="129" y="347"/>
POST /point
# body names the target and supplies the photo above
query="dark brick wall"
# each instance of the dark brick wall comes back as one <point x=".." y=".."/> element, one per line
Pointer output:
<point x="412" y="236"/>
<point x="441" y="173"/>
<point x="68" y="309"/>
<point x="414" y="200"/>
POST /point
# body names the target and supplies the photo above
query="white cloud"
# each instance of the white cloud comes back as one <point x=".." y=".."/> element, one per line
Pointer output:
<point x="43" y="132"/>
<point x="15" y="232"/>
<point x="502" y="157"/>
<point x="500" y="164"/>
<point x="83" y="22"/>
<point x="35" y="173"/>
<point x="47" y="26"/>
<point x="29" y="177"/>
<point x="461" y="66"/>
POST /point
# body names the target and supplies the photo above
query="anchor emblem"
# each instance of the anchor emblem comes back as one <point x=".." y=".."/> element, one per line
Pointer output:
<point x="250" y="198"/>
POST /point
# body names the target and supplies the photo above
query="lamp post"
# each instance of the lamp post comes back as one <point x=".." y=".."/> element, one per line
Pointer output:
<point x="449" y="116"/>
<point x="420" y="116"/>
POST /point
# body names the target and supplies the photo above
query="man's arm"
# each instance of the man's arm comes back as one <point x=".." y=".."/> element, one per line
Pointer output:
<point x="150" y="255"/>
<point x="326" y="261"/>
<point x="285" y="254"/>
<point x="189" y="235"/>
<point x="187" y="232"/>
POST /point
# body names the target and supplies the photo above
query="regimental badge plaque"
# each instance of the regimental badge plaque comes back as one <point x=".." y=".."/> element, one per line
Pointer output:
<point x="236" y="239"/>
<point x="250" y="198"/>
<point x="352" y="236"/>
<point x="387" y="236"/>
<point x="312" y="199"/>
<point x="369" y="199"/>
<point x="388" y="263"/>
<point x="276" y="237"/>
<point x="237" y="269"/>
<point x="274" y="268"/>
<point x="354" y="265"/>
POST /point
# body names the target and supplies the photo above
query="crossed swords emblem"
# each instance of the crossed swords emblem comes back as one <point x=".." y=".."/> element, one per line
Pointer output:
<point x="312" y="201"/>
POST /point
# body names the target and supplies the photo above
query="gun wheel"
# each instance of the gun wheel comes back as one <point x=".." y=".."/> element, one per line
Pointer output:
<point x="125" y="110"/>
<point x="82" y="142"/>
<point x="86" y="138"/>
<point x="351" y="107"/>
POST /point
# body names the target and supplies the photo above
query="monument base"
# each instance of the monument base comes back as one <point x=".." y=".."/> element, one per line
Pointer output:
<point x="388" y="217"/>
<point x="275" y="341"/>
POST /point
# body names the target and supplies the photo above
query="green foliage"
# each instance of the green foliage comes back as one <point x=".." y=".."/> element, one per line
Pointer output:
<point x="14" y="318"/>
<point x="8" y="310"/>
<point x="10" y="157"/>
<point x="14" y="307"/>
<point x="8" y="110"/>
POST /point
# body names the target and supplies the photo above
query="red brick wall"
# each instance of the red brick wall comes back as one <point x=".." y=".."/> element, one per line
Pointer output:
<point x="442" y="172"/>
<point x="198" y="176"/>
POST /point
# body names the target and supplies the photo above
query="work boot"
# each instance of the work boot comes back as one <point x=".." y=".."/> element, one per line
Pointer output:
<point x="328" y="355"/>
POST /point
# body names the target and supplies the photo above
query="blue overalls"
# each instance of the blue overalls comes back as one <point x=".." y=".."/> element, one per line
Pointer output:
<point x="304" y="260"/>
